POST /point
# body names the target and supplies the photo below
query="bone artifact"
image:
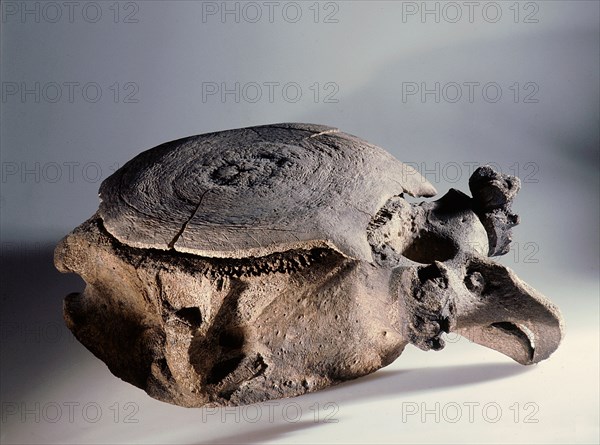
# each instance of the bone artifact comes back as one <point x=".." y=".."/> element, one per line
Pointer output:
<point x="266" y="262"/>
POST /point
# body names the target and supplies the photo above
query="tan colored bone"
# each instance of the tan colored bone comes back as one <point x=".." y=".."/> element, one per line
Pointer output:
<point x="261" y="263"/>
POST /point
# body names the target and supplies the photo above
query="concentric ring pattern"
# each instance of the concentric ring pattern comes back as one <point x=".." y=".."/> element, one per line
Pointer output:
<point x="255" y="191"/>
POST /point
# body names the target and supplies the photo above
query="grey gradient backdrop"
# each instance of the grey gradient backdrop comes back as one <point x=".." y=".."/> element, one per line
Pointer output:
<point x="152" y="62"/>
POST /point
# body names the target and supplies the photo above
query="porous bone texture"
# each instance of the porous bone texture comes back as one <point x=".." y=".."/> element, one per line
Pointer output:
<point x="255" y="191"/>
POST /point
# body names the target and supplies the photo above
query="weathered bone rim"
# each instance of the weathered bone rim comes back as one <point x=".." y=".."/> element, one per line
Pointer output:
<point x="255" y="191"/>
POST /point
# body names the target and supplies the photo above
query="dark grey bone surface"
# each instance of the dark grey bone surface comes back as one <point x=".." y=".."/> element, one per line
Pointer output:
<point x="266" y="262"/>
